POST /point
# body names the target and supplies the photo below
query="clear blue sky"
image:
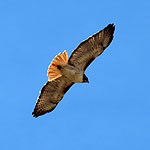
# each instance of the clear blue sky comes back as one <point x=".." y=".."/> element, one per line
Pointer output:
<point x="110" y="113"/>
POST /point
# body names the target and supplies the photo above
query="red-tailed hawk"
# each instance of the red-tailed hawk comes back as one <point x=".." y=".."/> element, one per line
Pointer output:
<point x="63" y="72"/>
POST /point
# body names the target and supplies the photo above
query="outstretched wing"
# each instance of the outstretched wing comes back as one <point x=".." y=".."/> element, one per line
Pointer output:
<point x="89" y="49"/>
<point x="50" y="95"/>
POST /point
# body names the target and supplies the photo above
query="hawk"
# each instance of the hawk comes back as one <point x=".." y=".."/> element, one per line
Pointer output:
<point x="63" y="72"/>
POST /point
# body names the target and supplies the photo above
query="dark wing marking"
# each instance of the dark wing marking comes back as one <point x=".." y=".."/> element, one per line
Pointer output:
<point x="89" y="49"/>
<point x="50" y="95"/>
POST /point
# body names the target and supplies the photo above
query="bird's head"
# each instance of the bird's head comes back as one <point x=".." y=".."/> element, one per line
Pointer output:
<point x="85" y="78"/>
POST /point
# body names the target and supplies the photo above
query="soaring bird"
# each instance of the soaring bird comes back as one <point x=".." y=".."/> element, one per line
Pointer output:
<point x="63" y="72"/>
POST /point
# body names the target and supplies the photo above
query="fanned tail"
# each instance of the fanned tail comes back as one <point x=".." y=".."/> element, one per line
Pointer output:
<point x="53" y="72"/>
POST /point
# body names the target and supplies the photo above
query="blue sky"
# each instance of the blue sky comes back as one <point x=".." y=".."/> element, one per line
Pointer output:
<point x="110" y="113"/>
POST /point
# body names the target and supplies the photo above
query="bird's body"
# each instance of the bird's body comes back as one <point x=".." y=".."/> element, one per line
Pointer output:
<point x="63" y="72"/>
<point x="72" y="73"/>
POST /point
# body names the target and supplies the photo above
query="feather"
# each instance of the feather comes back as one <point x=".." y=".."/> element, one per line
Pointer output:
<point x="50" y="95"/>
<point x="53" y="71"/>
